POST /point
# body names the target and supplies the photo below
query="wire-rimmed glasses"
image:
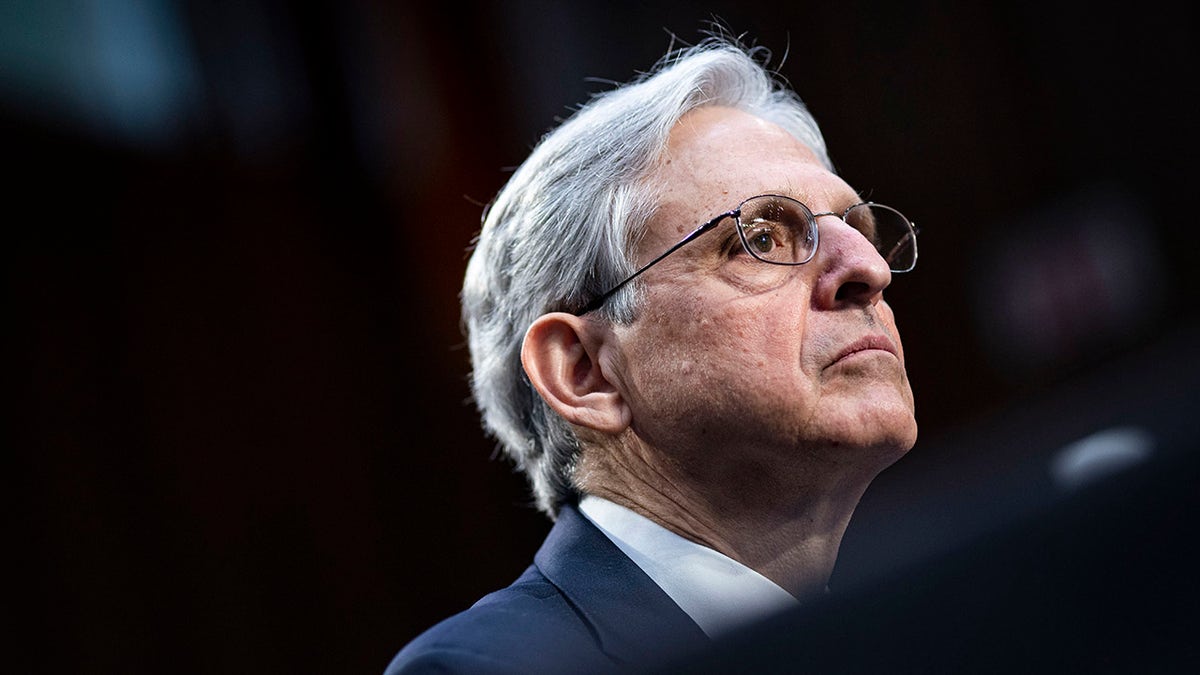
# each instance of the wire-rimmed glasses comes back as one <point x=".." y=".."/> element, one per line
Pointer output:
<point x="780" y="230"/>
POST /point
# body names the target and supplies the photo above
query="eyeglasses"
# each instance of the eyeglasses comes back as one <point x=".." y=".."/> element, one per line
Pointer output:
<point x="782" y="231"/>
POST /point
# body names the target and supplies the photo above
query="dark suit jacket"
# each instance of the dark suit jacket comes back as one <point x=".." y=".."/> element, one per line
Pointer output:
<point x="582" y="607"/>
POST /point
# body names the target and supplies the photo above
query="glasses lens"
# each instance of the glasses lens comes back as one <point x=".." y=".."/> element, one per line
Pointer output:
<point x="890" y="232"/>
<point x="778" y="230"/>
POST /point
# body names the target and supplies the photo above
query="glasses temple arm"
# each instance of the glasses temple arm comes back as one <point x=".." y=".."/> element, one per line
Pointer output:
<point x="601" y="299"/>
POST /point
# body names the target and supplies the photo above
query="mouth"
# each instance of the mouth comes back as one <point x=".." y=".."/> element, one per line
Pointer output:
<point x="870" y="344"/>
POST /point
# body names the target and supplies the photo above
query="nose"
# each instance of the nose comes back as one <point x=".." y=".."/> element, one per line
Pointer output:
<point x="851" y="271"/>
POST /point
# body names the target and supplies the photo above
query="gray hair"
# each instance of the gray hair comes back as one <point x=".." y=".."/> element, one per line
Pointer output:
<point x="562" y="231"/>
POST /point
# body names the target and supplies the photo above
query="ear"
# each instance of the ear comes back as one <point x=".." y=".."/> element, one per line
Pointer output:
<point x="561" y="357"/>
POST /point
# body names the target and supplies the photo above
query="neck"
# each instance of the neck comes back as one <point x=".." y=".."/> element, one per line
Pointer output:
<point x="785" y="523"/>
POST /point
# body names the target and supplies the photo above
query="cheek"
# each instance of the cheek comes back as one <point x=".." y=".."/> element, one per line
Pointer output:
<point x="775" y="364"/>
<point x="667" y="342"/>
<point x="716" y="336"/>
<point x="713" y="350"/>
<point x="776" y="346"/>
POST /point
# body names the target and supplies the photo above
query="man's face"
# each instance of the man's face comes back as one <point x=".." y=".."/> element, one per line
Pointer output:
<point x="735" y="360"/>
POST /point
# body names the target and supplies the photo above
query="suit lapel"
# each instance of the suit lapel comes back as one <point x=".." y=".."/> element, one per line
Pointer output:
<point x="633" y="619"/>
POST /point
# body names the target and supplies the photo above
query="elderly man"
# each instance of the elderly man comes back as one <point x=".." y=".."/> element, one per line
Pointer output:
<point x="678" y="332"/>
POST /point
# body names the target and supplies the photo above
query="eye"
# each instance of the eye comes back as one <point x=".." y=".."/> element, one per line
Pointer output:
<point x="765" y="238"/>
<point x="762" y="239"/>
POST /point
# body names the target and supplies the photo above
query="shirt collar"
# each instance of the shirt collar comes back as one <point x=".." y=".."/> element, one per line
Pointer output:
<point x="716" y="591"/>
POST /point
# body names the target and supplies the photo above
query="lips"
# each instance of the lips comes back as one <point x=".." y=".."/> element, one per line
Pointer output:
<point x="868" y="343"/>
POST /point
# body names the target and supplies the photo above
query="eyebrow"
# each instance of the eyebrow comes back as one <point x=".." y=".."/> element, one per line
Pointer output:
<point x="805" y="198"/>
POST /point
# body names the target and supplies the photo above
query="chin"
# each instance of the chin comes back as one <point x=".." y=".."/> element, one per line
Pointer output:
<point x="873" y="456"/>
<point x="894" y="425"/>
<point x="881" y="433"/>
<point x="901" y="440"/>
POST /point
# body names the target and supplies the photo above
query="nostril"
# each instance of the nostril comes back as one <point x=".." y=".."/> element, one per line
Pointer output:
<point x="852" y="289"/>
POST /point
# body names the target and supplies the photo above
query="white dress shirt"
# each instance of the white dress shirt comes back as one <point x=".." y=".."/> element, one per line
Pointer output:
<point x="716" y="591"/>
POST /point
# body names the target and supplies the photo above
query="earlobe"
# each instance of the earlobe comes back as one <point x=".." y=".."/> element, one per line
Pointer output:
<point x="561" y="356"/>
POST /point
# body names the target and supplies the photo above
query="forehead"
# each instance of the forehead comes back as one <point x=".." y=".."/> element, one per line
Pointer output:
<point x="718" y="156"/>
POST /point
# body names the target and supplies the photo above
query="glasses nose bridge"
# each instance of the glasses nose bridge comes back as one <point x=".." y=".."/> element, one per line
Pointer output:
<point x="835" y="214"/>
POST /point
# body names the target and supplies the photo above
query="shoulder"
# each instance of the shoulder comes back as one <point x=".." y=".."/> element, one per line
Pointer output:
<point x="582" y="607"/>
<point x="528" y="627"/>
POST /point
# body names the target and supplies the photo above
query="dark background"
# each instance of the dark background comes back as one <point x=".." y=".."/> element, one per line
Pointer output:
<point x="240" y="439"/>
